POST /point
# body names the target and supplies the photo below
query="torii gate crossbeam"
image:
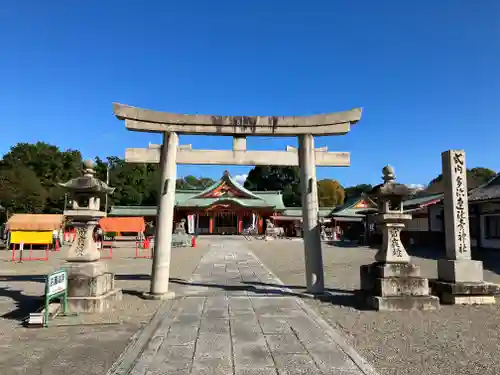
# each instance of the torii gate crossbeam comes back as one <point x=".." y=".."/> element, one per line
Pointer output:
<point x="185" y="155"/>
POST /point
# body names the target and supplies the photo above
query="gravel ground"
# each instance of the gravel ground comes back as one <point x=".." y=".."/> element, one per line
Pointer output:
<point x="453" y="340"/>
<point x="89" y="348"/>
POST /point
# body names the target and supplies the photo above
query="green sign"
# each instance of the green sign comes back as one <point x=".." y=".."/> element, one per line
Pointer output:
<point x="56" y="287"/>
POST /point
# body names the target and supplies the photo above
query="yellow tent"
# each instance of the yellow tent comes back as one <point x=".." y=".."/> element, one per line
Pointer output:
<point x="33" y="228"/>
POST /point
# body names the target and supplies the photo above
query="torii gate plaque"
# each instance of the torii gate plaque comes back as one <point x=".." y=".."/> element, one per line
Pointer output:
<point x="169" y="154"/>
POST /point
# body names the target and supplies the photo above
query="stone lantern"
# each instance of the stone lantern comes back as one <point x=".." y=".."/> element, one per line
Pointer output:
<point x="392" y="282"/>
<point x="390" y="217"/>
<point x="90" y="285"/>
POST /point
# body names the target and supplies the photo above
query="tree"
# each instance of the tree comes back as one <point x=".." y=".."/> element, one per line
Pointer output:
<point x="192" y="182"/>
<point x="34" y="171"/>
<point x="356" y="191"/>
<point x="330" y="193"/>
<point x="273" y="178"/>
<point x="21" y="190"/>
<point x="475" y="177"/>
<point x="136" y="184"/>
<point x="482" y="175"/>
<point x="50" y="165"/>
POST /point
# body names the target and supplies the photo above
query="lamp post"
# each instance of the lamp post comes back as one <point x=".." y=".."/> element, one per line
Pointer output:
<point x="107" y="183"/>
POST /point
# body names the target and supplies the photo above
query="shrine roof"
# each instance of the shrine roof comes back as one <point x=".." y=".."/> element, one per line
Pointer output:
<point x="355" y="207"/>
<point x="226" y="190"/>
<point x="132" y="211"/>
<point x="487" y="191"/>
<point x="422" y="201"/>
<point x="232" y="185"/>
<point x="297" y="212"/>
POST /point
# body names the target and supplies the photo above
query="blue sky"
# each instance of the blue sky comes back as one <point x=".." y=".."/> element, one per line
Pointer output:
<point x="426" y="73"/>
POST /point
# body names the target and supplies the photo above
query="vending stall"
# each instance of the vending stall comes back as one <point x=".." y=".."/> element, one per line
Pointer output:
<point x="34" y="231"/>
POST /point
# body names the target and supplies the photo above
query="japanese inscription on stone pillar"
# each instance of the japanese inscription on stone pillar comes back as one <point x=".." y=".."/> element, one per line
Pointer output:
<point x="456" y="207"/>
<point x="395" y="242"/>
<point x="81" y="234"/>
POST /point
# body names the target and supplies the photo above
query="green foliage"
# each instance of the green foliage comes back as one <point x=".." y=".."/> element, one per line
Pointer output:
<point x="192" y="182"/>
<point x="287" y="180"/>
<point x="356" y="191"/>
<point x="30" y="173"/>
<point x="482" y="175"/>
<point x="48" y="165"/>
<point x="475" y="177"/>
<point x="273" y="178"/>
<point x="21" y="190"/>
<point x="330" y="193"/>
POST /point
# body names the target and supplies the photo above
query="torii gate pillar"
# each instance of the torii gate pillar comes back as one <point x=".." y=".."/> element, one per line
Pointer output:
<point x="160" y="271"/>
<point x="310" y="221"/>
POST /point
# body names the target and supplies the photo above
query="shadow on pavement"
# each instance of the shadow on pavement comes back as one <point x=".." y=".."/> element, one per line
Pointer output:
<point x="25" y="304"/>
<point x="338" y="297"/>
<point x="346" y="244"/>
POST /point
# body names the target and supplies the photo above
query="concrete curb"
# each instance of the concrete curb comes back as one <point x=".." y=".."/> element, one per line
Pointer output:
<point x="364" y="366"/>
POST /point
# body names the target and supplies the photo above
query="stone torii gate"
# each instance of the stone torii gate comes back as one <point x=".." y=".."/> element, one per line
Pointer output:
<point x="170" y="153"/>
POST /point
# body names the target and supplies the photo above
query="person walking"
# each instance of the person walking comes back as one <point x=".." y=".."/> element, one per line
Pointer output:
<point x="55" y="235"/>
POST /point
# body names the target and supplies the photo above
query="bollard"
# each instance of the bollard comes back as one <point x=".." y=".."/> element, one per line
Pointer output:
<point x="102" y="245"/>
<point x="142" y="250"/>
<point x="193" y="241"/>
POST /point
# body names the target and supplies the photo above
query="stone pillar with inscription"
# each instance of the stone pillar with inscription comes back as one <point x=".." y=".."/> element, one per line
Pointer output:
<point x="460" y="279"/>
<point x="91" y="287"/>
<point x="392" y="283"/>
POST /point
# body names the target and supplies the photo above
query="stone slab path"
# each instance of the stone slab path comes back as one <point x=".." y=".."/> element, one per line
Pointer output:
<point x="228" y="323"/>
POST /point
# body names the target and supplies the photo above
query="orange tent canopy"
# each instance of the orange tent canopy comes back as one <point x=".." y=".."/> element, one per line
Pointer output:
<point x="122" y="224"/>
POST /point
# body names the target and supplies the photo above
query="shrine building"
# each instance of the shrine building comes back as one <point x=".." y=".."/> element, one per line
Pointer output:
<point x="226" y="207"/>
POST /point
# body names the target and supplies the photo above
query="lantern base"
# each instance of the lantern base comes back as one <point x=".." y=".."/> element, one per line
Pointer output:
<point x="91" y="289"/>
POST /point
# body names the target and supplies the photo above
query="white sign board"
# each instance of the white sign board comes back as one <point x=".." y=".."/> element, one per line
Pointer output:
<point x="57" y="282"/>
<point x="190" y="224"/>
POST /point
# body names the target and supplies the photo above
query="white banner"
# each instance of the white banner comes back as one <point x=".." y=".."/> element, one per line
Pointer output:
<point x="190" y="224"/>
<point x="254" y="221"/>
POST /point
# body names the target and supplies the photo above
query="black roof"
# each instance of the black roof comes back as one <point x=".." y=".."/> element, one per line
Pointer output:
<point x="487" y="191"/>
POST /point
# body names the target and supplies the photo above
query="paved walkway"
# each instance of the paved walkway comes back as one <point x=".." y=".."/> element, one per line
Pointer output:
<point x="229" y="323"/>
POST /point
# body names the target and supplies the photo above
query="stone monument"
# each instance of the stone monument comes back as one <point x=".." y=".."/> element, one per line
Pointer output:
<point x="392" y="283"/>
<point x="90" y="286"/>
<point x="180" y="227"/>
<point x="460" y="279"/>
<point x="180" y="238"/>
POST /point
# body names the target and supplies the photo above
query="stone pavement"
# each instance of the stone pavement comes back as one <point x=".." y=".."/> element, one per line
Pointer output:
<point x="227" y="323"/>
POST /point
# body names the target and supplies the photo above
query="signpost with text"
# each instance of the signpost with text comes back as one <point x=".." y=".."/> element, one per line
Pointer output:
<point x="56" y="287"/>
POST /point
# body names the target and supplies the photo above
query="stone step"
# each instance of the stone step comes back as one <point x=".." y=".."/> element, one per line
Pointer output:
<point x="450" y="299"/>
<point x="465" y="289"/>
<point x="403" y="303"/>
